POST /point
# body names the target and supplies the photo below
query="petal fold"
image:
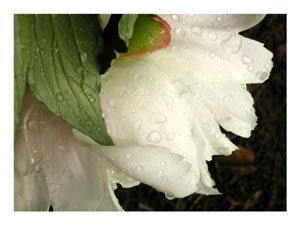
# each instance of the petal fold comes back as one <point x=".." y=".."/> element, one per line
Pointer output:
<point x="70" y="169"/>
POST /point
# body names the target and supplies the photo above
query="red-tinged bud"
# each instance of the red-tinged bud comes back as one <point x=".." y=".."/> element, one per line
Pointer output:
<point x="151" y="33"/>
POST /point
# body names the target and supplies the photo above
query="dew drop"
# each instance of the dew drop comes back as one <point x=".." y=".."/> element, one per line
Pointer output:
<point x="128" y="155"/>
<point x="219" y="18"/>
<point x="175" y="48"/>
<point x="162" y="163"/>
<point x="79" y="69"/>
<point x="170" y="135"/>
<point x="212" y="55"/>
<point x="91" y="98"/>
<point x="158" y="118"/>
<point x="197" y="31"/>
<point x="175" y="17"/>
<point x="139" y="168"/>
<point x="59" y="97"/>
<point x="53" y="187"/>
<point x="250" y="68"/>
<point x="112" y="103"/>
<point x="225" y="99"/>
<point x="211" y="35"/>
<point x="262" y="75"/>
<point x="180" y="32"/>
<point x="232" y="44"/>
<point x="247" y="59"/>
<point x="83" y="56"/>
<point x="169" y="197"/>
<point x="32" y="160"/>
<point x="154" y="137"/>
<point x="33" y="125"/>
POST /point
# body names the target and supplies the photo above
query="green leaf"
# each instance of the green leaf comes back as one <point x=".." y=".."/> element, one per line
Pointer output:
<point x="64" y="70"/>
<point x="126" y="27"/>
<point x="116" y="38"/>
<point x="23" y="42"/>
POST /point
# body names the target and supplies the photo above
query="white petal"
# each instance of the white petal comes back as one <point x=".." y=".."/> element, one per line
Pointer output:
<point x="75" y="178"/>
<point x="30" y="192"/>
<point x="115" y="175"/>
<point x="216" y="56"/>
<point x="30" y="186"/>
<point x="231" y="22"/>
<point x="155" y="166"/>
<point x="142" y="107"/>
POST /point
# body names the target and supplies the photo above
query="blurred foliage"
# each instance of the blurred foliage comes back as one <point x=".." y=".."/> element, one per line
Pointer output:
<point x="253" y="178"/>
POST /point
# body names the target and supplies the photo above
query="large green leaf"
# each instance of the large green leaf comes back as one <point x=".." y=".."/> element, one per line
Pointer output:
<point x="23" y="43"/>
<point x="64" y="72"/>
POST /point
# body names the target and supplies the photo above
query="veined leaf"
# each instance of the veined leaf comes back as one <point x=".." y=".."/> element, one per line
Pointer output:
<point x="23" y="42"/>
<point x="64" y="72"/>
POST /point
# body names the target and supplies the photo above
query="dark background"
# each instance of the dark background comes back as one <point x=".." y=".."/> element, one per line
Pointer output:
<point x="253" y="178"/>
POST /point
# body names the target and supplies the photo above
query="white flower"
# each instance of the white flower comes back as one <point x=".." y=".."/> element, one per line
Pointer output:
<point x="162" y="112"/>
<point x="175" y="99"/>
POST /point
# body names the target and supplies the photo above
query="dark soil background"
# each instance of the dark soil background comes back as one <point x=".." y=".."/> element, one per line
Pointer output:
<point x="253" y="178"/>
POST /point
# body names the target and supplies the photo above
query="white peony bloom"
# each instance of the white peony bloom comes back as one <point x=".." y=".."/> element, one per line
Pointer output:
<point x="176" y="98"/>
<point x="163" y="113"/>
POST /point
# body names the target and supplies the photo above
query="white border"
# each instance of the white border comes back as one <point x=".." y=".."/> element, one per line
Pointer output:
<point x="8" y="8"/>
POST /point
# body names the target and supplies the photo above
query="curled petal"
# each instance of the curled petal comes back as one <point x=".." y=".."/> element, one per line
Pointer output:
<point x="155" y="166"/>
<point x="232" y="22"/>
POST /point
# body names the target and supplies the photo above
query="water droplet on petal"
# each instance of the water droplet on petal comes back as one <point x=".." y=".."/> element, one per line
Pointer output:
<point x="262" y="75"/>
<point x="33" y="125"/>
<point x="162" y="163"/>
<point x="175" y="48"/>
<point x="219" y="18"/>
<point x="212" y="55"/>
<point x="128" y="155"/>
<point x="175" y="17"/>
<point x="197" y="31"/>
<point x="139" y="168"/>
<point x="247" y="59"/>
<point x="232" y="44"/>
<point x="154" y="137"/>
<point x="158" y="118"/>
<point x="53" y="187"/>
<point x="225" y="99"/>
<point x="169" y="197"/>
<point x="170" y="135"/>
<point x="112" y="103"/>
<point x="212" y="35"/>
<point x="250" y="68"/>
<point x="180" y="32"/>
